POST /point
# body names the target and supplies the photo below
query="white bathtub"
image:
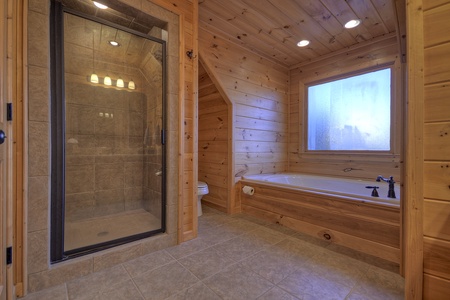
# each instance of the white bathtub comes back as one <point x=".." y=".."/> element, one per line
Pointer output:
<point x="349" y="188"/>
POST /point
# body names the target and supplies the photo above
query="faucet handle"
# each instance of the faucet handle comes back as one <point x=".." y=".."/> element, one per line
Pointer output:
<point x="374" y="191"/>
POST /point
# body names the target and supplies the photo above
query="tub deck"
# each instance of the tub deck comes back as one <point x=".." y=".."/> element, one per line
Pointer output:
<point x="357" y="223"/>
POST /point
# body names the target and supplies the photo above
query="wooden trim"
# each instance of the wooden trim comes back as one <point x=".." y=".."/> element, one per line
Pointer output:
<point x="3" y="199"/>
<point x="181" y="112"/>
<point x="18" y="145"/>
<point x="195" y="115"/>
<point x="399" y="8"/>
<point x="413" y="200"/>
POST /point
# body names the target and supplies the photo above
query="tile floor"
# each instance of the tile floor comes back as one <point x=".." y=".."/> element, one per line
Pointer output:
<point x="239" y="257"/>
<point x="102" y="229"/>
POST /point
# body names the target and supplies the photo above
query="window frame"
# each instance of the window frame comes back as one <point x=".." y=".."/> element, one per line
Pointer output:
<point x="392" y="155"/>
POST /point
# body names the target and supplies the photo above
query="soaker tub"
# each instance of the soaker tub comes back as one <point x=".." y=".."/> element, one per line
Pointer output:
<point x="338" y="210"/>
<point x="352" y="188"/>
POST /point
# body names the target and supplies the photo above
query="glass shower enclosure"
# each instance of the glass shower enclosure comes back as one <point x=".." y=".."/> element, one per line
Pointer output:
<point x="108" y="149"/>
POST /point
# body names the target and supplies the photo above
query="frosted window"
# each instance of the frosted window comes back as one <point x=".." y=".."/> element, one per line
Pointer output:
<point x="352" y="114"/>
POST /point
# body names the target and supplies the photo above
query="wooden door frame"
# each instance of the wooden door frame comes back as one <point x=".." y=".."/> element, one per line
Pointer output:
<point x="3" y="86"/>
<point x="13" y="14"/>
<point x="19" y="83"/>
<point x="413" y="200"/>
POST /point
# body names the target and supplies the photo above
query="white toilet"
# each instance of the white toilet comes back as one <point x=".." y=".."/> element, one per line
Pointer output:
<point x="202" y="189"/>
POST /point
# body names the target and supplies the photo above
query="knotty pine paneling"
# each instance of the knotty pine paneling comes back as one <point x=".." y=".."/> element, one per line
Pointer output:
<point x="435" y="288"/>
<point x="258" y="89"/>
<point x="437" y="64"/>
<point x="436" y="151"/>
<point x="436" y="180"/>
<point x="384" y="51"/>
<point x="429" y="4"/>
<point x="212" y="142"/>
<point x="437" y="105"/>
<point x="436" y="254"/>
<point x="436" y="222"/>
<point x="436" y="18"/>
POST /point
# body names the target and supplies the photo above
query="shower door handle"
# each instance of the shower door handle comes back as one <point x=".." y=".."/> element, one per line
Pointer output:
<point x="2" y="136"/>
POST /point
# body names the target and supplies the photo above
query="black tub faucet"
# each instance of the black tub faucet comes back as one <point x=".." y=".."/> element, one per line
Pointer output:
<point x="391" y="191"/>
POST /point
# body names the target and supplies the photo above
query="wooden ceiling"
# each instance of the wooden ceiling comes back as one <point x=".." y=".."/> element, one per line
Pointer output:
<point x="272" y="28"/>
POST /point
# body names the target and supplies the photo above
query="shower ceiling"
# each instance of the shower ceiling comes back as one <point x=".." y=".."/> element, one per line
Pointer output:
<point x="117" y="13"/>
<point x="132" y="49"/>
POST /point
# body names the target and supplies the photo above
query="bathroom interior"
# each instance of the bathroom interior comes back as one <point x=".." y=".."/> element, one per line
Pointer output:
<point x="181" y="113"/>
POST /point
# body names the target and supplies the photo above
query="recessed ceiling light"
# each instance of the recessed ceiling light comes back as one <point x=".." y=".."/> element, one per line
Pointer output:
<point x="99" y="5"/>
<point x="114" y="43"/>
<point x="303" y="43"/>
<point x="352" y="23"/>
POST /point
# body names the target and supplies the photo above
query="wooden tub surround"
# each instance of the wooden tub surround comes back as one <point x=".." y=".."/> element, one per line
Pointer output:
<point x="358" y="224"/>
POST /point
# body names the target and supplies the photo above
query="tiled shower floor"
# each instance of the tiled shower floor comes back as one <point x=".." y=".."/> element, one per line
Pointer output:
<point x="107" y="228"/>
<point x="238" y="257"/>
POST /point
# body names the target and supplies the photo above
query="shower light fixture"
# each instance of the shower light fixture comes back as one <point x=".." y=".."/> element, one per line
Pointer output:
<point x="114" y="43"/>
<point x="94" y="78"/>
<point x="99" y="5"/>
<point x="303" y="43"/>
<point x="352" y="24"/>
<point x="107" y="80"/>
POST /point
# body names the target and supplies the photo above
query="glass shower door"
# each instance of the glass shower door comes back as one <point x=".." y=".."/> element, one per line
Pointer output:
<point x="113" y="162"/>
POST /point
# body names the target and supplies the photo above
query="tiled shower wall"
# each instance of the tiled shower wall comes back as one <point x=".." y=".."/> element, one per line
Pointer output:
<point x="40" y="272"/>
<point x="104" y="150"/>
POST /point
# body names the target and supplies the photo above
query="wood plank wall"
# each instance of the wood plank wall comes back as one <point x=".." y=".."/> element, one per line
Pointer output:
<point x="436" y="217"/>
<point x="380" y="51"/>
<point x="188" y="12"/>
<point x="213" y="125"/>
<point x="258" y="89"/>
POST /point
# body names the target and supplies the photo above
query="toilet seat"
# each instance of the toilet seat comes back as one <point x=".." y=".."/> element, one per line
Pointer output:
<point x="202" y="188"/>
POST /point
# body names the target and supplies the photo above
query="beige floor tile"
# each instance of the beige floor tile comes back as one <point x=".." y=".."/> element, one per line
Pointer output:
<point x="122" y="291"/>
<point x="56" y="293"/>
<point x="277" y="294"/>
<point x="240" y="247"/>
<point x="238" y="282"/>
<point x="212" y="220"/>
<point x="242" y="226"/>
<point x="147" y="263"/>
<point x="338" y="268"/>
<point x="235" y="258"/>
<point x="308" y="285"/>
<point x="379" y="284"/>
<point x="207" y="262"/>
<point x="188" y="248"/>
<point x="165" y="281"/>
<point x="102" y="229"/>
<point x="219" y="234"/>
<point x="198" y="291"/>
<point x="271" y="265"/>
<point x="86" y="288"/>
